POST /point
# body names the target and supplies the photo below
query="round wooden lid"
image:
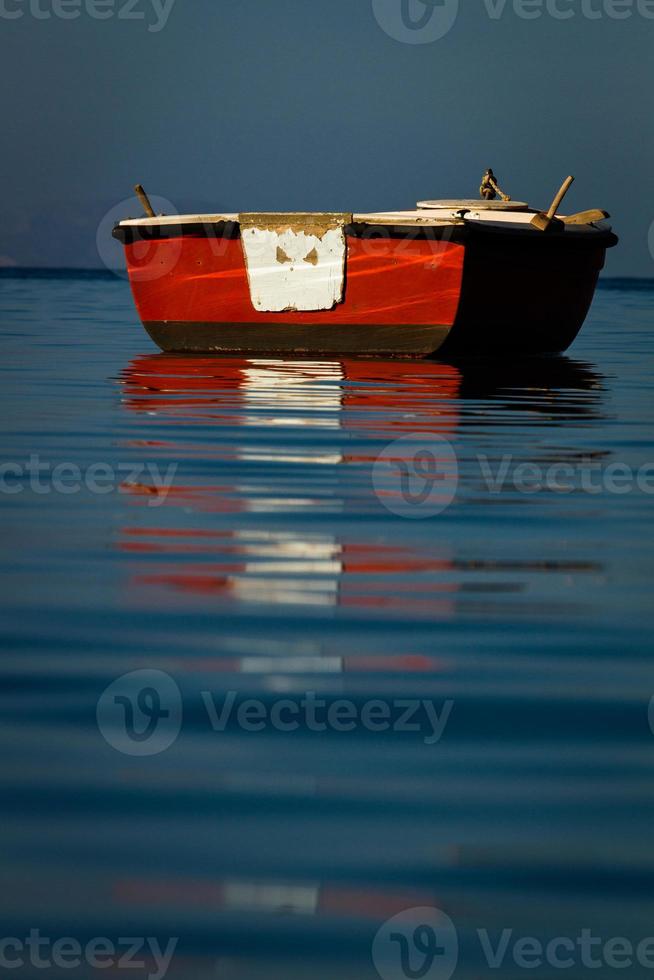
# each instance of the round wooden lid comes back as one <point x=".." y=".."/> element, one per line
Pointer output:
<point x="476" y="205"/>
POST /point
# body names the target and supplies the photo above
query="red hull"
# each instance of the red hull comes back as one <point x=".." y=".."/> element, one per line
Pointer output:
<point x="388" y="282"/>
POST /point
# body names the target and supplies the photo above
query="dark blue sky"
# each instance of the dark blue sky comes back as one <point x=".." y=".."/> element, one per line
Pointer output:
<point x="294" y="104"/>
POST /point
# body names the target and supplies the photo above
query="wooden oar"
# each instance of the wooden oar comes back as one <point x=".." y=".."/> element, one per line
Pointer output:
<point x="544" y="221"/>
<point x="145" y="201"/>
<point x="586" y="217"/>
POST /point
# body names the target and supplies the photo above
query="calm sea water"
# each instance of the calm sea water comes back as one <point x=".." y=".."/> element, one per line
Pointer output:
<point x="228" y="526"/>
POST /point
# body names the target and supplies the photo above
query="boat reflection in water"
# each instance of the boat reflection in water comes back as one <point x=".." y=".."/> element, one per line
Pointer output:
<point x="275" y="470"/>
<point x="281" y="453"/>
<point x="274" y="570"/>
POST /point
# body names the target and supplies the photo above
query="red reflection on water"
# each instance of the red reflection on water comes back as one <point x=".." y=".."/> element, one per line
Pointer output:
<point x="293" y="566"/>
<point x="317" y="570"/>
<point x="195" y="387"/>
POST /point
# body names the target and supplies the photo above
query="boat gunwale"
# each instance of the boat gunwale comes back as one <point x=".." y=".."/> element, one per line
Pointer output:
<point x="457" y="231"/>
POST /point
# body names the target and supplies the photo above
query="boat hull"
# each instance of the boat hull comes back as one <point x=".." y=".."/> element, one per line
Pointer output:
<point x="408" y="292"/>
<point x="524" y="293"/>
<point x="401" y="297"/>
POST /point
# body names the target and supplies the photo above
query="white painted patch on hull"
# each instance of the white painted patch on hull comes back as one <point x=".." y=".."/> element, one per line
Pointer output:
<point x="295" y="266"/>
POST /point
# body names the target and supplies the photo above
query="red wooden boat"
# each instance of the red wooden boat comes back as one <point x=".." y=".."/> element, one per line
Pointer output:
<point x="453" y="277"/>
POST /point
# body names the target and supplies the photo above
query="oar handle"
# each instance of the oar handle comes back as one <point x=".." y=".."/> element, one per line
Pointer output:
<point x="145" y="201"/>
<point x="565" y="187"/>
